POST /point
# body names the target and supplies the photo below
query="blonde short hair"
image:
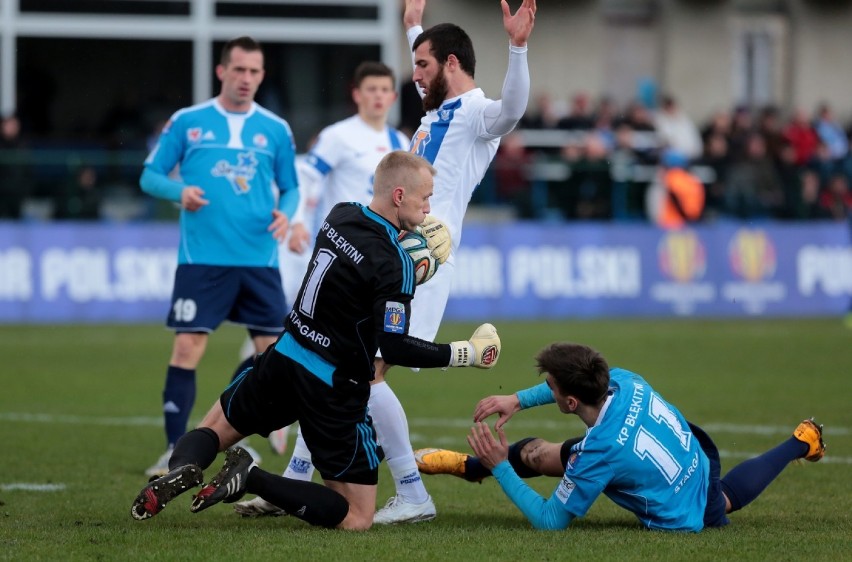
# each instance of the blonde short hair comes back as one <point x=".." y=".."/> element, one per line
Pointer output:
<point x="399" y="168"/>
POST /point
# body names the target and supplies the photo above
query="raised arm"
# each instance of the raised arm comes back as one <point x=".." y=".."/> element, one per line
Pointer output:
<point x="413" y="15"/>
<point x="520" y="25"/>
<point x="502" y="115"/>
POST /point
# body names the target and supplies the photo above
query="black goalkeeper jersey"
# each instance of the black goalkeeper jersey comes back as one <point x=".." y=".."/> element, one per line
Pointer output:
<point x="358" y="287"/>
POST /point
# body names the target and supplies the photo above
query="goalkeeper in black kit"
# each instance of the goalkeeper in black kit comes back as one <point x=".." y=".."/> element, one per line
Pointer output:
<point x="355" y="299"/>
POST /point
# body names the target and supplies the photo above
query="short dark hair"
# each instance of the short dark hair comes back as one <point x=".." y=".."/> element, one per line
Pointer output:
<point x="372" y="68"/>
<point x="245" y="43"/>
<point x="576" y="369"/>
<point x="449" y="39"/>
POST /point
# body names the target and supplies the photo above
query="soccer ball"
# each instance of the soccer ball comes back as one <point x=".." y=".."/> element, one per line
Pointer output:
<point x="425" y="265"/>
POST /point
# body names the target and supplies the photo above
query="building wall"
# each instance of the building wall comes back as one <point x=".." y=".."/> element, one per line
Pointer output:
<point x="695" y="48"/>
<point x="696" y="57"/>
<point x="821" y="58"/>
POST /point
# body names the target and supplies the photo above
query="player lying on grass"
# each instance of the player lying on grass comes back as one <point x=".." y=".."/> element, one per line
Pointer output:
<point x="355" y="300"/>
<point x="638" y="450"/>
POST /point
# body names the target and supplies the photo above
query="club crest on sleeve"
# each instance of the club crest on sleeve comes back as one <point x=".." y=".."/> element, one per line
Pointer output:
<point x="572" y="460"/>
<point x="394" y="317"/>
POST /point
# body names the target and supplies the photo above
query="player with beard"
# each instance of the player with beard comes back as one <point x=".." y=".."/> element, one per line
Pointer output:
<point x="459" y="136"/>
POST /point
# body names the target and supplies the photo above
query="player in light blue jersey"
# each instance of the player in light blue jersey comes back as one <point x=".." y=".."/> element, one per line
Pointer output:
<point x="638" y="450"/>
<point x="237" y="190"/>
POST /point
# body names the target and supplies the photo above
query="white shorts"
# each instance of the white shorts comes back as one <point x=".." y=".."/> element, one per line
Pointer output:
<point x="293" y="267"/>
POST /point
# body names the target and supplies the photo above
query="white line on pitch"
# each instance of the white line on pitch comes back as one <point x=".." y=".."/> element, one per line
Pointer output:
<point x="464" y="423"/>
<point x="32" y="487"/>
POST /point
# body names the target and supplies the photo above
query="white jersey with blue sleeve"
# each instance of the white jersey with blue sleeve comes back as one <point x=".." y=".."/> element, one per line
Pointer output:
<point x="454" y="140"/>
<point x="244" y="162"/>
<point x="640" y="454"/>
<point x="461" y="137"/>
<point x="344" y="159"/>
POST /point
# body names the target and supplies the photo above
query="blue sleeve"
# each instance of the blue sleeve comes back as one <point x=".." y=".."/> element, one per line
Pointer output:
<point x="289" y="202"/>
<point x="285" y="176"/>
<point x="543" y="514"/>
<point x="537" y="395"/>
<point x="160" y="185"/>
<point x="161" y="161"/>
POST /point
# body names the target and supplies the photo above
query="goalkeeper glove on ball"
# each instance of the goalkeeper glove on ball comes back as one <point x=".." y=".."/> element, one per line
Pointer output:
<point x="437" y="237"/>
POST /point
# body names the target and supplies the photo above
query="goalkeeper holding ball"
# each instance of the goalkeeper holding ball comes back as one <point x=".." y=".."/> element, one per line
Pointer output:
<point x="354" y="300"/>
<point x="459" y="136"/>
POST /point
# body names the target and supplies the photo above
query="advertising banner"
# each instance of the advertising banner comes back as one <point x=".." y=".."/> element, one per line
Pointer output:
<point x="66" y="273"/>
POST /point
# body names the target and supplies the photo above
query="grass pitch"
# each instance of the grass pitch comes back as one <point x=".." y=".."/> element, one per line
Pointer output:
<point x="80" y="421"/>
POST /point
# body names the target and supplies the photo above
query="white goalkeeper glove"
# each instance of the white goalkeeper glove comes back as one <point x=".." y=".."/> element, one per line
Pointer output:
<point x="437" y="237"/>
<point x="482" y="350"/>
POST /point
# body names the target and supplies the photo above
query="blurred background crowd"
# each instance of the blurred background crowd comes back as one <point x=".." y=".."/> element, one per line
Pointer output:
<point x="594" y="160"/>
<point x="583" y="158"/>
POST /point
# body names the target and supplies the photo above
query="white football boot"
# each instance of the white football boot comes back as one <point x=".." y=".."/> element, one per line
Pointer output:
<point x="397" y="510"/>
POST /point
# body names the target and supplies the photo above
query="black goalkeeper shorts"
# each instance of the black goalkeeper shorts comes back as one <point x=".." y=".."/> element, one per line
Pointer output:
<point x="277" y="391"/>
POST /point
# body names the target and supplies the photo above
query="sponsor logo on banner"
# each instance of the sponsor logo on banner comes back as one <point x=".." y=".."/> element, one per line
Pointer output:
<point x="752" y="258"/>
<point x="682" y="258"/>
<point x="824" y="270"/>
<point x="556" y="272"/>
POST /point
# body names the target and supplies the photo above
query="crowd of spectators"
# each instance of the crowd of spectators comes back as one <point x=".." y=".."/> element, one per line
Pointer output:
<point x="588" y="160"/>
<point x="753" y="163"/>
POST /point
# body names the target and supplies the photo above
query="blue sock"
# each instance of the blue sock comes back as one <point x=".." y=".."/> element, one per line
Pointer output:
<point x="178" y="399"/>
<point x="743" y="483"/>
<point x="474" y="471"/>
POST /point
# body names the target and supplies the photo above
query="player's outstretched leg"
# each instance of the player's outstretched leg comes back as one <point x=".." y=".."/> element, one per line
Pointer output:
<point x="529" y="457"/>
<point x="412" y="503"/>
<point x="160" y="491"/>
<point x="811" y="433"/>
<point x="443" y="461"/>
<point x="229" y="484"/>
<point x="746" y="481"/>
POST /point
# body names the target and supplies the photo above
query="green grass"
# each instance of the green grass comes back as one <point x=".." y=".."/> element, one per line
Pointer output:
<point x="99" y="390"/>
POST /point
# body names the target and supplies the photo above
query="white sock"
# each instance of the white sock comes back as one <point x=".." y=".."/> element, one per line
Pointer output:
<point x="300" y="466"/>
<point x="392" y="432"/>
<point x="247" y="350"/>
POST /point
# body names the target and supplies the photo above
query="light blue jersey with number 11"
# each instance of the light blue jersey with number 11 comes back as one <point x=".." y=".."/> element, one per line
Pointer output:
<point x="640" y="454"/>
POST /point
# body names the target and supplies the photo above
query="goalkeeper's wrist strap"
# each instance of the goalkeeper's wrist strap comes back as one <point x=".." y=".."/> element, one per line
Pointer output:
<point x="462" y="354"/>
